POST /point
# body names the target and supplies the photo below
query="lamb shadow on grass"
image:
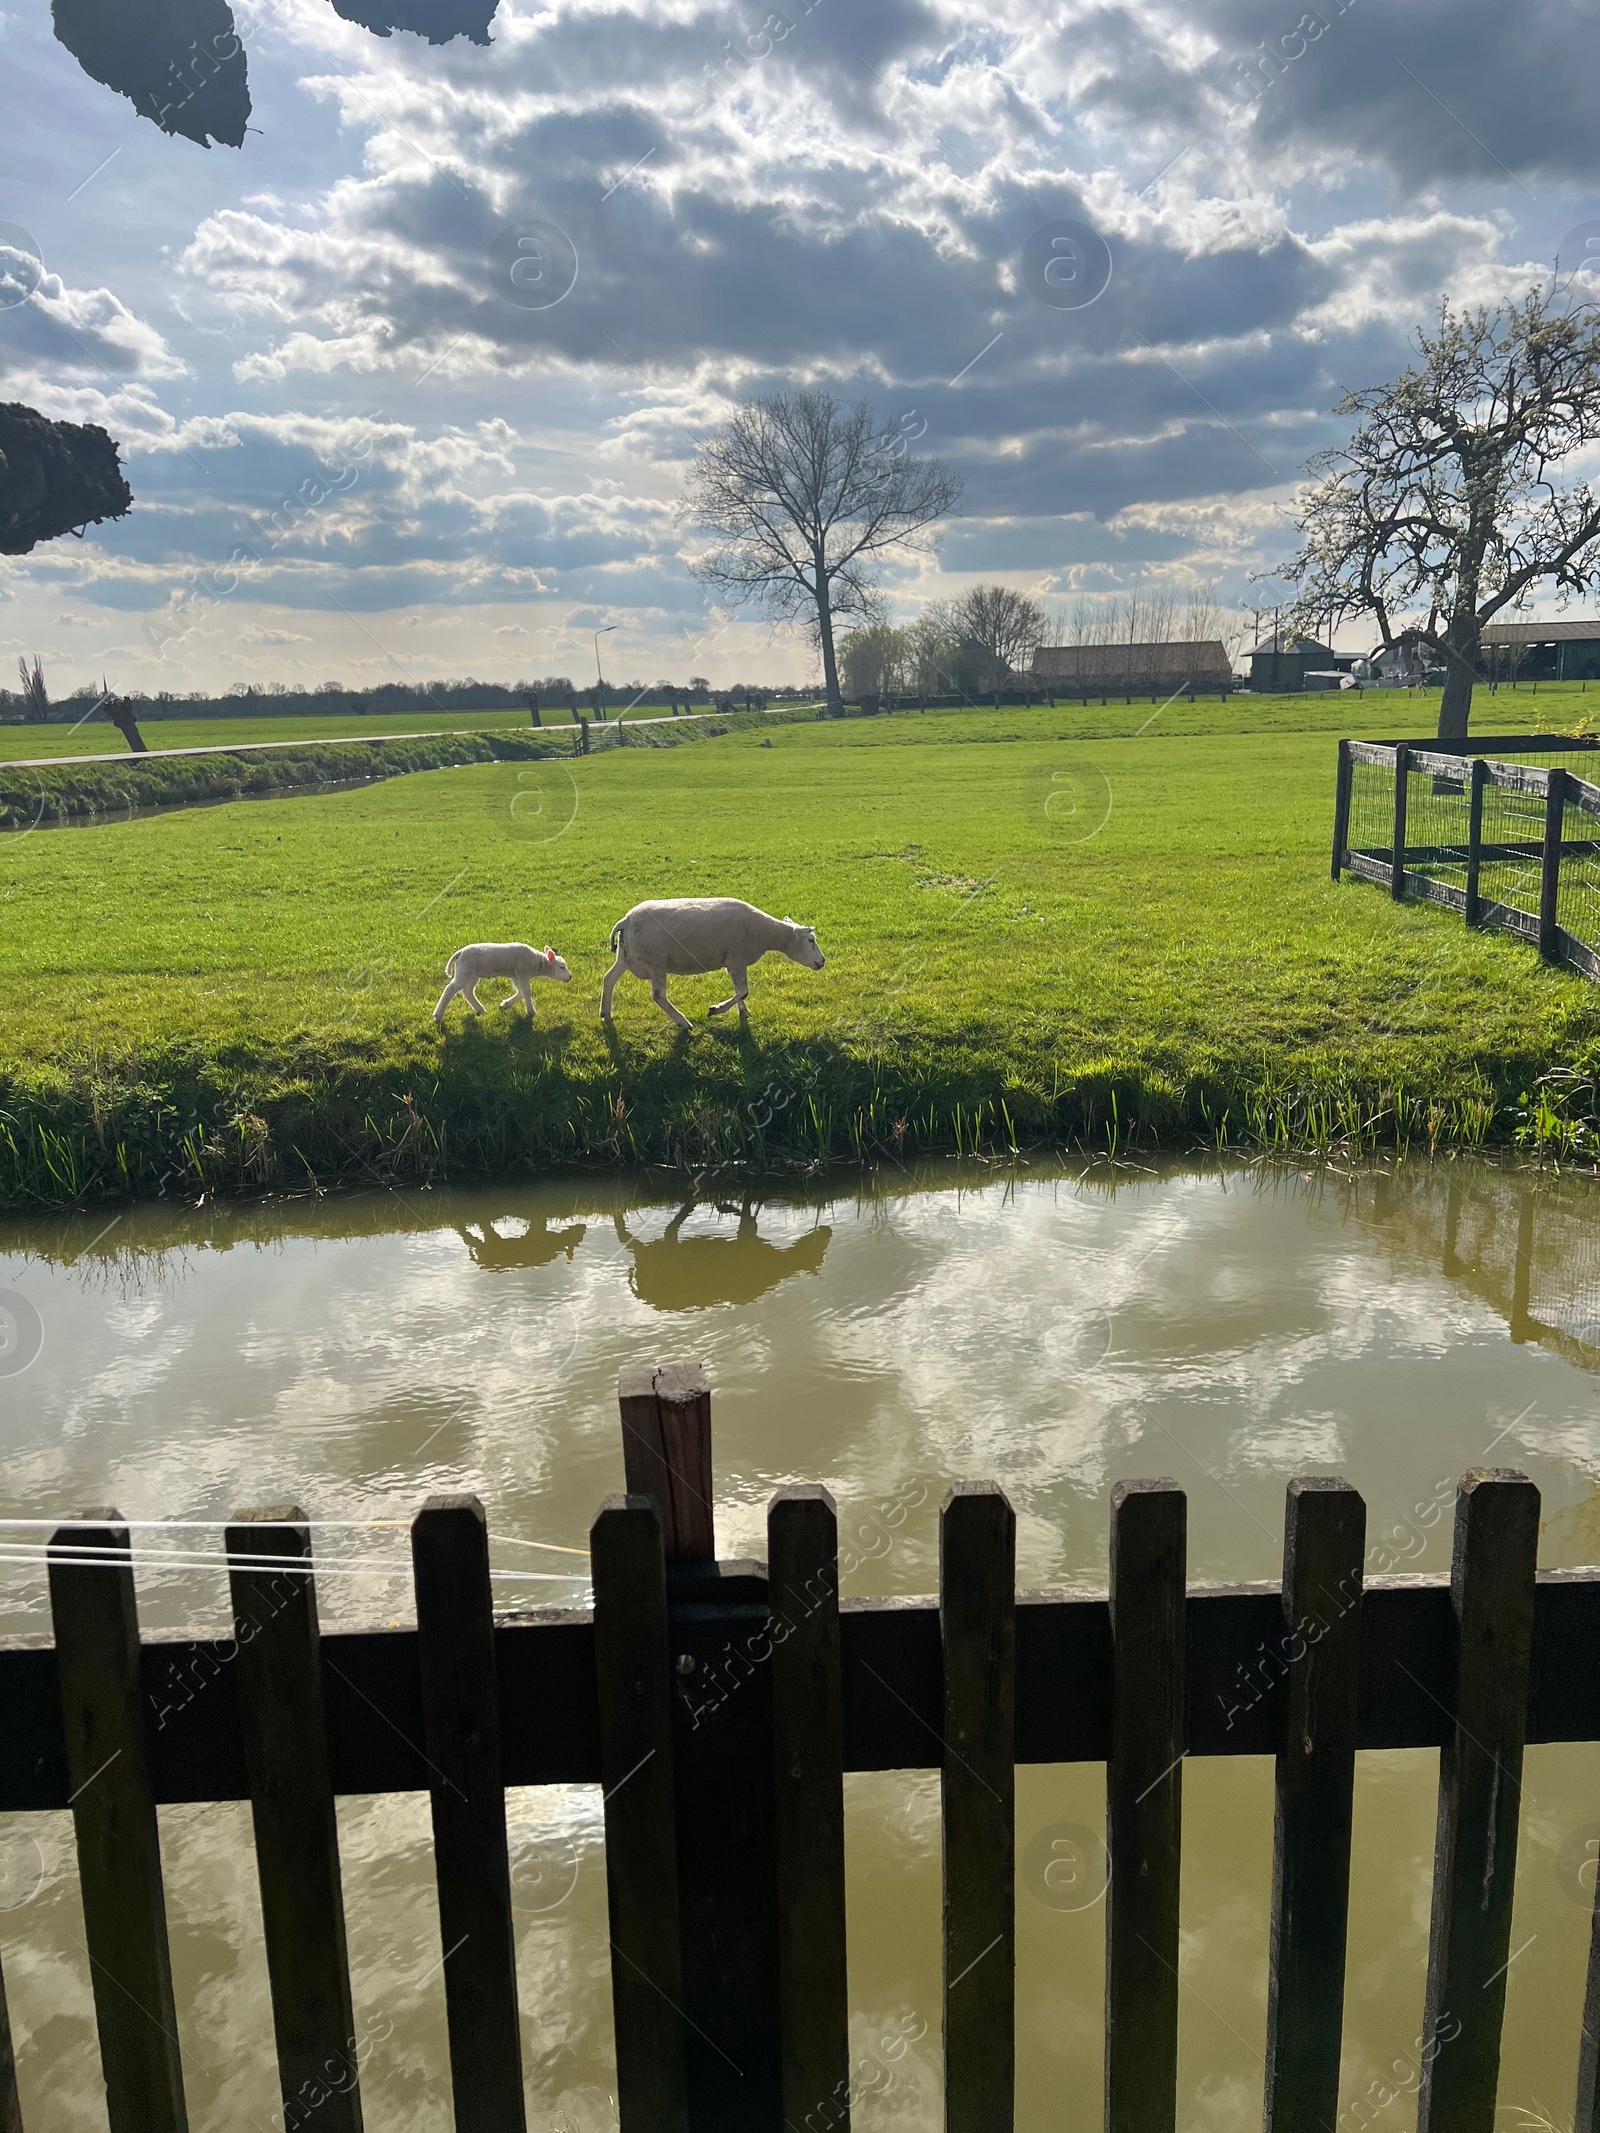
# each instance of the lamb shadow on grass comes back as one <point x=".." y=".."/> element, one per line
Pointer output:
<point x="539" y="1040"/>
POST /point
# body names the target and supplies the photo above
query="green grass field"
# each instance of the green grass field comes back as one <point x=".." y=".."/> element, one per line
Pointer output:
<point x="19" y="744"/>
<point x="1035" y="930"/>
<point x="1508" y="711"/>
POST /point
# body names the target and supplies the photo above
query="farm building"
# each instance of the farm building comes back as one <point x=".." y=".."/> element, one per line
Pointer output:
<point x="1541" y="651"/>
<point x="1282" y="662"/>
<point x="1132" y="669"/>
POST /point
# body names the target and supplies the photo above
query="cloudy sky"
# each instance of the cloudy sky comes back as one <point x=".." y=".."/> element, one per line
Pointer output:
<point x="333" y="349"/>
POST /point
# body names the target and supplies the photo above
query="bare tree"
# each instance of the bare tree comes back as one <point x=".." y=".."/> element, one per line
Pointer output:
<point x="1207" y="621"/>
<point x="803" y="499"/>
<point x="35" y="696"/>
<point x="933" y="651"/>
<point x="1445" y="506"/>
<point x="875" y="660"/>
<point x="1003" y="625"/>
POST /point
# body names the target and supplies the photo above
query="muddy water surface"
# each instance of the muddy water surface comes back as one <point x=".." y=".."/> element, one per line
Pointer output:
<point x="1055" y="1332"/>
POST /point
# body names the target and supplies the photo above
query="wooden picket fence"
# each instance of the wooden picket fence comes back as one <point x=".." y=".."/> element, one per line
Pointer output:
<point x="719" y="1706"/>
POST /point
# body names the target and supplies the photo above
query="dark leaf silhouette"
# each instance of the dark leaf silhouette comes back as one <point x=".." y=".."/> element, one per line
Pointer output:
<point x="437" y="20"/>
<point x="55" y="477"/>
<point x="180" y="62"/>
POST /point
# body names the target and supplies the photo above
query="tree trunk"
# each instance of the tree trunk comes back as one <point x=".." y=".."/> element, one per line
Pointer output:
<point x="830" y="666"/>
<point x="1461" y="668"/>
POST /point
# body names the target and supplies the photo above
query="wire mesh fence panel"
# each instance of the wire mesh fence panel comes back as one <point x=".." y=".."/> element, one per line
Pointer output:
<point x="1439" y="825"/>
<point x="1578" y="889"/>
<point x="1371" y="810"/>
<point x="1511" y="857"/>
<point x="1490" y="868"/>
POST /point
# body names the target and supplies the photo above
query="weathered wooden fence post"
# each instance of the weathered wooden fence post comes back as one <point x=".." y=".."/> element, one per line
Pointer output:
<point x="633" y="1685"/>
<point x="1480" y="778"/>
<point x="1480" y="1799"/>
<point x="666" y="1454"/>
<point x="718" y="1625"/>
<point x="461" y="1717"/>
<point x="96" y="1624"/>
<point x="1397" y="856"/>
<point x="808" y="1767"/>
<point x="10" y="2107"/>
<point x="280" y="1675"/>
<point x="1341" y="807"/>
<point x="1324" y="1540"/>
<point x="1144" y="1803"/>
<point x="1555" y="806"/>
<point x="977" y="1790"/>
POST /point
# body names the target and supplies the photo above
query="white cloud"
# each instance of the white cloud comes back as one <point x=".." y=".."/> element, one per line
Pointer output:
<point x="850" y="208"/>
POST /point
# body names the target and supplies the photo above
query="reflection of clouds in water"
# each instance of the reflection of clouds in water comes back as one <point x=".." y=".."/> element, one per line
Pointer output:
<point x="1053" y="1334"/>
<point x="1007" y="1345"/>
<point x="150" y="1348"/>
<point x="1057" y="1341"/>
<point x="554" y="1833"/>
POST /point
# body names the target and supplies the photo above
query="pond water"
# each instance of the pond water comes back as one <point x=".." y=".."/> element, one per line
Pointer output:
<point x="1055" y="1331"/>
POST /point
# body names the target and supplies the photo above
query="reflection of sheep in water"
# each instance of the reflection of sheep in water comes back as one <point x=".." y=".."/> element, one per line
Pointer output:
<point x="536" y="1247"/>
<point x="685" y="1273"/>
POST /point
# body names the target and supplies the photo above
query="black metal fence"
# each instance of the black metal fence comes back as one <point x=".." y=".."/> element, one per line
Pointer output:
<point x="1505" y="843"/>
<point x="720" y="1705"/>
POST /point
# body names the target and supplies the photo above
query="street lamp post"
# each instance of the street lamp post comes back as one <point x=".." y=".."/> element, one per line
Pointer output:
<point x="602" y="632"/>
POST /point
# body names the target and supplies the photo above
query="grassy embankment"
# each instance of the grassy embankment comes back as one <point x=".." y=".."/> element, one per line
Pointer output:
<point x="1037" y="928"/>
<point x="95" y="736"/>
<point x="102" y="790"/>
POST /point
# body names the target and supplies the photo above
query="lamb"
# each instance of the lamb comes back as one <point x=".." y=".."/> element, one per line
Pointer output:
<point x="498" y="959"/>
<point x="685" y="936"/>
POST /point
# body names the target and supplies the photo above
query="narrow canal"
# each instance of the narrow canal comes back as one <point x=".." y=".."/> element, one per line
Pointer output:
<point x="1056" y="1332"/>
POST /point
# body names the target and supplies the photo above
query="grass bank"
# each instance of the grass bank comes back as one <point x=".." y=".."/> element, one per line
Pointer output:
<point x="1033" y="935"/>
<point x="34" y="796"/>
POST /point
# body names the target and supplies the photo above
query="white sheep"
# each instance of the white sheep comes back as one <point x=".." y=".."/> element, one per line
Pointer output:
<point x="499" y="959"/>
<point x="686" y="936"/>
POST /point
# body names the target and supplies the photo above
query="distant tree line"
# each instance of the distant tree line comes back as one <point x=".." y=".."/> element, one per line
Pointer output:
<point x="32" y="703"/>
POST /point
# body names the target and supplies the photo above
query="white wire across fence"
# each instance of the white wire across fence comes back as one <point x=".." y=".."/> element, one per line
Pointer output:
<point x="1508" y="844"/>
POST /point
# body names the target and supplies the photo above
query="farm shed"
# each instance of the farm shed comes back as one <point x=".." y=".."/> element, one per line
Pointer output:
<point x="1541" y="651"/>
<point x="1282" y="662"/>
<point x="1118" y="669"/>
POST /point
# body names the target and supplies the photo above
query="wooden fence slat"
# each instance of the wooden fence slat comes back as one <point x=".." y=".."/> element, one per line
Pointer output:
<point x="1586" y="2112"/>
<point x="666" y="1453"/>
<point x="1144" y="1804"/>
<point x="808" y="1766"/>
<point x="461" y="1733"/>
<point x="634" y="1684"/>
<point x="1397" y="857"/>
<point x="1324" y="1542"/>
<point x="10" y="2107"/>
<point x="96" y="1624"/>
<point x="1480" y="1794"/>
<point x="291" y="1807"/>
<point x="977" y="1785"/>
